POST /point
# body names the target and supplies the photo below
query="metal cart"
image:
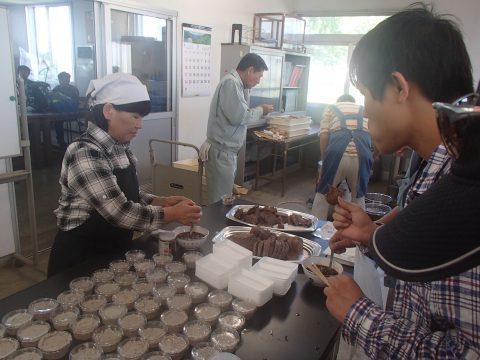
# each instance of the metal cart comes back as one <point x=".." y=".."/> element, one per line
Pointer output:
<point x="169" y="181"/>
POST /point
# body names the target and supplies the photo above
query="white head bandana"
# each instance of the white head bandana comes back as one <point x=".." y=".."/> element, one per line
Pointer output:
<point x="117" y="89"/>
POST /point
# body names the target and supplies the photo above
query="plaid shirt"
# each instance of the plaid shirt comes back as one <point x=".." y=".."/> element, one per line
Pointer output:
<point x="88" y="184"/>
<point x="433" y="320"/>
<point x="435" y="167"/>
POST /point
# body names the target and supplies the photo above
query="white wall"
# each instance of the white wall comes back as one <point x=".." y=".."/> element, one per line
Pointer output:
<point x="466" y="11"/>
<point x="220" y="15"/>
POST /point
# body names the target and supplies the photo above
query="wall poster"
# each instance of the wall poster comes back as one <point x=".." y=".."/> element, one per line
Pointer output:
<point x="196" y="60"/>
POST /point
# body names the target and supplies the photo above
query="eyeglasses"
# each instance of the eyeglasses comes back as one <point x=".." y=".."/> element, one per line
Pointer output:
<point x="451" y="120"/>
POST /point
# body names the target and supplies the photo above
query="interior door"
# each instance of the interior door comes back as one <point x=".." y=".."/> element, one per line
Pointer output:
<point x="142" y="43"/>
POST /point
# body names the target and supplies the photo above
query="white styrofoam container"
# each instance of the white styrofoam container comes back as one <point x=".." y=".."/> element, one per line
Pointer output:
<point x="250" y="286"/>
<point x="282" y="273"/>
<point x="227" y="249"/>
<point x="214" y="270"/>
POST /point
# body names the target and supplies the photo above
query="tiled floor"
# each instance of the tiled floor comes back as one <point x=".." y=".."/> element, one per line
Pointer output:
<point x="300" y="187"/>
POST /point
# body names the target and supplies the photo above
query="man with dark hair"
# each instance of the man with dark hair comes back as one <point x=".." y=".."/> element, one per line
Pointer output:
<point x="345" y="151"/>
<point x="227" y="124"/>
<point x="402" y="66"/>
<point x="65" y="98"/>
<point x="37" y="102"/>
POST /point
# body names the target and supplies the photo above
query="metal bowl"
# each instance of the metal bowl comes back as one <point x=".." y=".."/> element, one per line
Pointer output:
<point x="377" y="210"/>
<point x="378" y="198"/>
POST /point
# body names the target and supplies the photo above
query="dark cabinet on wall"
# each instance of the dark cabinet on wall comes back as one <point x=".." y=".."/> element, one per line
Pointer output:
<point x="284" y="85"/>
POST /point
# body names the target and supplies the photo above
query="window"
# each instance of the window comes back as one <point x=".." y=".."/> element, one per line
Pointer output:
<point x="50" y="43"/>
<point x="330" y="41"/>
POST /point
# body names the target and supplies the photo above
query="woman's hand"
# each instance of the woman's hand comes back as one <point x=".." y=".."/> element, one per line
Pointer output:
<point x="185" y="212"/>
<point x="354" y="225"/>
<point x="342" y="293"/>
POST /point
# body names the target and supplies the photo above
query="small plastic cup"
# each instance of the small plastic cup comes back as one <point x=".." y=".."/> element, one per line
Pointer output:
<point x="55" y="345"/>
<point x="244" y="307"/>
<point x="110" y="313"/>
<point x="119" y="266"/>
<point x="41" y="308"/>
<point x="62" y="317"/>
<point x="70" y="298"/>
<point x="204" y="351"/>
<point x="156" y="276"/>
<point x="84" y="327"/>
<point x="8" y="346"/>
<point x="92" y="303"/>
<point x="179" y="302"/>
<point x="143" y="287"/>
<point x="148" y="307"/>
<point x="131" y="322"/>
<point x="15" y="319"/>
<point x="30" y="334"/>
<point x="220" y="298"/>
<point x="103" y="275"/>
<point x="162" y="292"/>
<point x="197" y="290"/>
<point x="88" y="350"/>
<point x="178" y="280"/>
<point x="84" y="284"/>
<point x="133" y="256"/>
<point x="125" y="297"/>
<point x="108" y="337"/>
<point x="29" y="353"/>
<point x="190" y="258"/>
<point x="132" y="348"/>
<point x="152" y="332"/>
<point x="161" y="260"/>
<point x="175" y="267"/>
<point x="156" y="355"/>
<point x="231" y="320"/>
<point x="107" y="289"/>
<point x="197" y="331"/>
<point x="126" y="279"/>
<point x="142" y="266"/>
<point x="207" y="312"/>
<point x="174" y="345"/>
<point x="225" y="339"/>
<point x="228" y="199"/>
<point x="174" y="320"/>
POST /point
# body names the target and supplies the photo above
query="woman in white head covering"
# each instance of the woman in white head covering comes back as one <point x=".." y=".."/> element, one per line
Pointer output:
<point x="100" y="203"/>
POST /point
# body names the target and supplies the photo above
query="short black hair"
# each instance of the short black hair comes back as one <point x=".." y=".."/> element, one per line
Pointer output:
<point x="24" y="68"/>
<point x="346" y="98"/>
<point x="254" y="60"/>
<point x="426" y="48"/>
<point x="63" y="75"/>
<point x="96" y="116"/>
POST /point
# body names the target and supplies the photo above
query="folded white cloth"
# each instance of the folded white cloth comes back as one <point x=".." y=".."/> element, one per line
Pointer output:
<point x="204" y="151"/>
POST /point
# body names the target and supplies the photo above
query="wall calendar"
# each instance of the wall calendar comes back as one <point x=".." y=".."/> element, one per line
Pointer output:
<point x="196" y="60"/>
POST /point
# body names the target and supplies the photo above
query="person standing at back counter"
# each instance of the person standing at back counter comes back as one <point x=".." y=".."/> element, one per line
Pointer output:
<point x="227" y="124"/>
<point x="100" y="203"/>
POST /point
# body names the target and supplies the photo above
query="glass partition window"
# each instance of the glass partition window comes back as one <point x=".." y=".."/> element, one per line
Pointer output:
<point x="50" y="42"/>
<point x="330" y="42"/>
<point x="141" y="45"/>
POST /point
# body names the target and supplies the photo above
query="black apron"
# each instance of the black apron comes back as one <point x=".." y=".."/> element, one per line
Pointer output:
<point x="95" y="237"/>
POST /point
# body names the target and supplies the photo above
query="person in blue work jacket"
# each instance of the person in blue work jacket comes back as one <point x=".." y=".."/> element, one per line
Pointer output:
<point x="227" y="124"/>
<point x="345" y="150"/>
